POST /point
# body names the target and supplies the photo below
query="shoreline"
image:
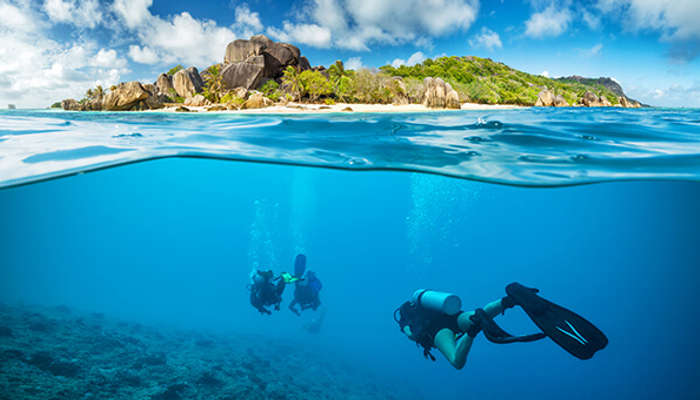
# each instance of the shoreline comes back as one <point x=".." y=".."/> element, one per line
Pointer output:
<point x="300" y="108"/>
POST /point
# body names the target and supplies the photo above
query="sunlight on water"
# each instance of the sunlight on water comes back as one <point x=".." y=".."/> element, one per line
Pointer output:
<point x="532" y="147"/>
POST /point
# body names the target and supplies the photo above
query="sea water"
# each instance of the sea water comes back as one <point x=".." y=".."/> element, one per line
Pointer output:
<point x="464" y="202"/>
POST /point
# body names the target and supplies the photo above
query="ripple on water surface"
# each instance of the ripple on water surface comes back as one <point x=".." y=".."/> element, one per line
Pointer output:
<point x="531" y="147"/>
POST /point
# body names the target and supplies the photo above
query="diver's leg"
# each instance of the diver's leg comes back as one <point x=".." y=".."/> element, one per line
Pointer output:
<point x="492" y="309"/>
<point x="455" y="351"/>
<point x="293" y="308"/>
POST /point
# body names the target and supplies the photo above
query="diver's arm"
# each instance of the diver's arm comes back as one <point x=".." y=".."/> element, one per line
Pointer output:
<point x="407" y="331"/>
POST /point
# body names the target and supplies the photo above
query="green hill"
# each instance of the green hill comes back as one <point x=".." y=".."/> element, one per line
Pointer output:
<point x="482" y="80"/>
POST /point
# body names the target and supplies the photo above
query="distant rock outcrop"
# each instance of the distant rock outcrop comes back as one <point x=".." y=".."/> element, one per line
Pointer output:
<point x="70" y="105"/>
<point x="439" y="94"/>
<point x="164" y="85"/>
<point x="545" y="99"/>
<point x="132" y="96"/>
<point x="196" y="101"/>
<point x="249" y="63"/>
<point x="591" y="99"/>
<point x="125" y="96"/>
<point x="256" y="100"/>
<point x="560" y="101"/>
<point x="629" y="103"/>
<point x="247" y="74"/>
<point x="188" y="82"/>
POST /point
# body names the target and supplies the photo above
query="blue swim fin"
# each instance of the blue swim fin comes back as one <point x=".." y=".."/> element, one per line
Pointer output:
<point x="299" y="265"/>
<point x="569" y="330"/>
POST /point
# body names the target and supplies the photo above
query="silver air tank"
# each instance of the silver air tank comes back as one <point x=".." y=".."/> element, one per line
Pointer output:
<point x="447" y="303"/>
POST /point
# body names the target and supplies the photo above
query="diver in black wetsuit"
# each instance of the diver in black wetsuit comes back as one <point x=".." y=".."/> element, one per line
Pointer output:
<point x="434" y="320"/>
<point x="265" y="292"/>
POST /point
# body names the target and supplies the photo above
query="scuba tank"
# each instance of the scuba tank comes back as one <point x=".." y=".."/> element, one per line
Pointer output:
<point x="446" y="303"/>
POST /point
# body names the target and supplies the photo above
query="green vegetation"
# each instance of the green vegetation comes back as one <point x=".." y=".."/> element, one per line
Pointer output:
<point x="175" y="97"/>
<point x="56" y="105"/>
<point x="93" y="94"/>
<point x="214" y="84"/>
<point x="271" y="90"/>
<point x="482" y="80"/>
<point x="292" y="83"/>
<point x="174" y="69"/>
<point x="315" y="85"/>
<point x="475" y="79"/>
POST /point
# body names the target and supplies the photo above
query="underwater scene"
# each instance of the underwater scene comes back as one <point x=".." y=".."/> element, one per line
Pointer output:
<point x="164" y="256"/>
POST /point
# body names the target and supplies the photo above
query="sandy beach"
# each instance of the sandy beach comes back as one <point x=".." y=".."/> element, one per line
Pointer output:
<point x="298" y="108"/>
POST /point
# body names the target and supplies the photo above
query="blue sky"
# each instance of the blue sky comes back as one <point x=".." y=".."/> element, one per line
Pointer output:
<point x="54" y="49"/>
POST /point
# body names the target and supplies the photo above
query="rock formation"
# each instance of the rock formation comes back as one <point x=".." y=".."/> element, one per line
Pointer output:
<point x="545" y="99"/>
<point x="164" y="85"/>
<point x="247" y="74"/>
<point x="560" y="101"/>
<point x="256" y="100"/>
<point x="70" y="105"/>
<point x="196" y="101"/>
<point x="131" y="96"/>
<point x="249" y="63"/>
<point x="397" y="88"/>
<point x="188" y="82"/>
<point x="439" y="94"/>
<point x="628" y="103"/>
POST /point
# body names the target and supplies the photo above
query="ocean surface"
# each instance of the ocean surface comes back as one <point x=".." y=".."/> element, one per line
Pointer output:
<point x="130" y="282"/>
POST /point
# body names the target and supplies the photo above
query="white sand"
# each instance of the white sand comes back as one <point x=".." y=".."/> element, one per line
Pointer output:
<point x="295" y="108"/>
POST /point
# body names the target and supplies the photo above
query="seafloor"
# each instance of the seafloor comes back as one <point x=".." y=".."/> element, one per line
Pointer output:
<point x="58" y="353"/>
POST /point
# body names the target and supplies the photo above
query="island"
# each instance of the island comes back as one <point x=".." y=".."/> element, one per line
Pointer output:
<point x="262" y="74"/>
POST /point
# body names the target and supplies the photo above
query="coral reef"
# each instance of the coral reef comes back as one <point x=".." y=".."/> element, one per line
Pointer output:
<point x="57" y="353"/>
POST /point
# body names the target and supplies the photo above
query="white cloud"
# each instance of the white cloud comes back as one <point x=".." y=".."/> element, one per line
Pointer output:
<point x="247" y="23"/>
<point x="108" y="58"/>
<point x="545" y="74"/>
<point x="179" y="38"/>
<point x="16" y="19"/>
<point x="143" y="55"/>
<point x="487" y="39"/>
<point x="551" y="22"/>
<point x="354" y="63"/>
<point x="415" y="58"/>
<point x="133" y="12"/>
<point x="356" y="24"/>
<point x="590" y="19"/>
<point x="676" y="19"/>
<point x="81" y="13"/>
<point x="311" y="34"/>
<point x="593" y="51"/>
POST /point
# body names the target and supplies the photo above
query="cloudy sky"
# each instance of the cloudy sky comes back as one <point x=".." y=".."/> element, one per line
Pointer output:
<point x="53" y="49"/>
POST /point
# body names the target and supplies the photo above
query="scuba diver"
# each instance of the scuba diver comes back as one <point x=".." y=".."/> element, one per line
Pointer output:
<point x="266" y="289"/>
<point x="434" y="319"/>
<point x="306" y="292"/>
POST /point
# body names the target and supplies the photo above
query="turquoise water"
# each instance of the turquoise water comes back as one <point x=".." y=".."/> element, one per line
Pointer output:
<point x="169" y="244"/>
<point x="531" y="147"/>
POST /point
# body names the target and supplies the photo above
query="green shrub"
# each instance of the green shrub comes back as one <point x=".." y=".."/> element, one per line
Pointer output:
<point x="174" y="69"/>
<point x="271" y="90"/>
<point x="315" y="85"/>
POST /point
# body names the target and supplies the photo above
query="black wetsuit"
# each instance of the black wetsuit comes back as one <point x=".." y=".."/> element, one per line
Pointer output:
<point x="425" y="324"/>
<point x="266" y="293"/>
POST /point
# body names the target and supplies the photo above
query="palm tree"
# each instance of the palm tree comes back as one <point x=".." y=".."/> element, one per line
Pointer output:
<point x="291" y="80"/>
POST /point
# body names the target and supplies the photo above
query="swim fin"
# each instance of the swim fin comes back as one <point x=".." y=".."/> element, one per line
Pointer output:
<point x="299" y="265"/>
<point x="566" y="328"/>
<point x="494" y="333"/>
